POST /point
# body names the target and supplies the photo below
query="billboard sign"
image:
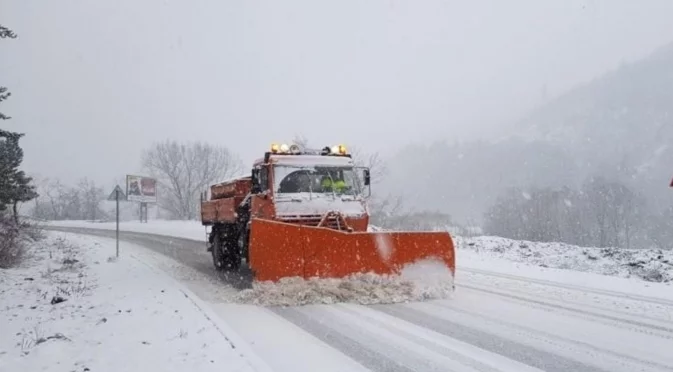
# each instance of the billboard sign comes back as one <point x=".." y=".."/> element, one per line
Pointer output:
<point x="142" y="189"/>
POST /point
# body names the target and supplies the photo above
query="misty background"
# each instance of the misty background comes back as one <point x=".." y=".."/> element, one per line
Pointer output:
<point x="525" y="119"/>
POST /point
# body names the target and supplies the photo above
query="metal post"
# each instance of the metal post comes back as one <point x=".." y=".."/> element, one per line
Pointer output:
<point x="117" y="199"/>
<point x="143" y="212"/>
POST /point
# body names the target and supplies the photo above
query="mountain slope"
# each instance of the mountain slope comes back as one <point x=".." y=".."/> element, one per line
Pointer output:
<point x="618" y="126"/>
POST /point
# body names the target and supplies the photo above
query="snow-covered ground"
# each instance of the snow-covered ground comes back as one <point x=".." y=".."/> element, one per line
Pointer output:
<point x="646" y="264"/>
<point x="654" y="265"/>
<point x="497" y="272"/>
<point x="505" y="315"/>
<point x="74" y="307"/>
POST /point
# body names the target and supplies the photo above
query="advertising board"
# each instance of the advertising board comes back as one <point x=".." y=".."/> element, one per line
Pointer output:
<point x="142" y="189"/>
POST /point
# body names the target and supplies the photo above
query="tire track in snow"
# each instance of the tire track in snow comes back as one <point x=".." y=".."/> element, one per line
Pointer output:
<point x="604" y="292"/>
<point x="667" y="331"/>
<point x="592" y="304"/>
<point x="402" y="345"/>
<point x="514" y="350"/>
<point x="368" y="357"/>
<point x="621" y="354"/>
<point x="467" y="355"/>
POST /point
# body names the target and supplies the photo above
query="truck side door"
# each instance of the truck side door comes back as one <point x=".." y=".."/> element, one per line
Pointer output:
<point x="261" y="204"/>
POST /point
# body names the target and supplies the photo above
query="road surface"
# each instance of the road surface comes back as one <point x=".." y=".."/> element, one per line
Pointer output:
<point x="495" y="322"/>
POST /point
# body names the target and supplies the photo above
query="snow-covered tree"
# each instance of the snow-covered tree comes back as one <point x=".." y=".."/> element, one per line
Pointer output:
<point x="618" y="211"/>
<point x="603" y="213"/>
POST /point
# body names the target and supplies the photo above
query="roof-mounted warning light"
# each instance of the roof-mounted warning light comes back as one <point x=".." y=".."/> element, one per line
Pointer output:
<point x="338" y="150"/>
<point x="284" y="149"/>
<point x="294" y="149"/>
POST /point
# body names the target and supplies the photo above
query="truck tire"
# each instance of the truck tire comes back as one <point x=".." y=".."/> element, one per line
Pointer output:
<point x="218" y="257"/>
<point x="232" y="257"/>
<point x="243" y="242"/>
<point x="226" y="255"/>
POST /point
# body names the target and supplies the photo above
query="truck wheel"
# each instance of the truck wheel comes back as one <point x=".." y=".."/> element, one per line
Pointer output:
<point x="218" y="258"/>
<point x="232" y="255"/>
<point x="242" y="244"/>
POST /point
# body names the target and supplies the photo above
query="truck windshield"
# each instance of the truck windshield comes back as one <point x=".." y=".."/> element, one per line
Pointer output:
<point x="315" y="179"/>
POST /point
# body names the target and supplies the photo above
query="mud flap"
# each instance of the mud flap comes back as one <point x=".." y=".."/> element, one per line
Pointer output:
<point x="280" y="250"/>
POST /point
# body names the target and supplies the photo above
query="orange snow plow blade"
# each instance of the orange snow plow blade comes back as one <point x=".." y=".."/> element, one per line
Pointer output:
<point x="279" y="250"/>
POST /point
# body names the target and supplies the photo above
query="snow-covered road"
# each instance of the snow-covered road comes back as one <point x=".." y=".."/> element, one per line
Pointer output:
<point x="497" y="321"/>
<point x="486" y="327"/>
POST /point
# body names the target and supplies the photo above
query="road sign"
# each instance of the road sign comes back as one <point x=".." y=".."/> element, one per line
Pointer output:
<point x="117" y="191"/>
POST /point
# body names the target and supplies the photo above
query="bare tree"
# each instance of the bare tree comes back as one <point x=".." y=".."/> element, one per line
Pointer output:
<point x="618" y="212"/>
<point x="384" y="210"/>
<point x="300" y="141"/>
<point x="91" y="198"/>
<point x="184" y="170"/>
<point x="507" y="217"/>
<point x="59" y="202"/>
<point x="604" y="214"/>
<point x="537" y="214"/>
<point x="660" y="229"/>
<point x="377" y="166"/>
<point x="43" y="208"/>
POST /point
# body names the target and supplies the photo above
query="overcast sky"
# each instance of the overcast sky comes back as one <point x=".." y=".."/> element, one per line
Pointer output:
<point x="95" y="82"/>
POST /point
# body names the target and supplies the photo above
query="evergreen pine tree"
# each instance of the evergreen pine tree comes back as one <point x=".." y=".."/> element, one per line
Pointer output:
<point x="4" y="94"/>
<point x="15" y="186"/>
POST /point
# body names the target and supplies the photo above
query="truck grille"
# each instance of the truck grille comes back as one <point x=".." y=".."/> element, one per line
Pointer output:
<point x="313" y="220"/>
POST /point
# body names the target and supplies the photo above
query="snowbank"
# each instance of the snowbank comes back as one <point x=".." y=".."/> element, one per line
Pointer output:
<point x="652" y="265"/>
<point x="420" y="281"/>
<point x="74" y="307"/>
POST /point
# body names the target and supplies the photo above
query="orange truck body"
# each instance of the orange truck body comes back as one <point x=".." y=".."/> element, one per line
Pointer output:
<point x="285" y="232"/>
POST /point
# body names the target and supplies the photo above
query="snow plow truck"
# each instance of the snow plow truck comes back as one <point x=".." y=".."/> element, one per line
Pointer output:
<point x="303" y="213"/>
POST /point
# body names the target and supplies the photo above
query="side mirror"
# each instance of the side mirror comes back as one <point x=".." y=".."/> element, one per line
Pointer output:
<point x="368" y="179"/>
<point x="255" y="181"/>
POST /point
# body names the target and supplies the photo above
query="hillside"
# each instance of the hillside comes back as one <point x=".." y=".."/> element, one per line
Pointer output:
<point x="619" y="126"/>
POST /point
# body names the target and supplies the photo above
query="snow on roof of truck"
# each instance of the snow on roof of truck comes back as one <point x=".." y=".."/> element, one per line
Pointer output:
<point x="233" y="179"/>
<point x="302" y="160"/>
